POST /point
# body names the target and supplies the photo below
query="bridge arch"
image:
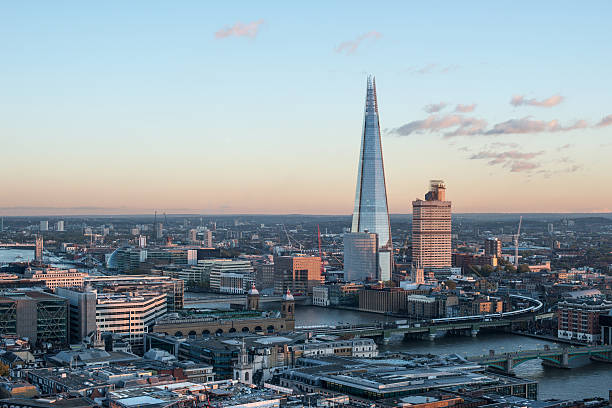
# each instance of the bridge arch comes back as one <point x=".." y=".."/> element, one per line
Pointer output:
<point x="270" y="329"/>
<point x="258" y="328"/>
<point x="219" y="331"/>
<point x="232" y="330"/>
<point x="205" y="332"/>
<point x="245" y="329"/>
<point x="178" y="334"/>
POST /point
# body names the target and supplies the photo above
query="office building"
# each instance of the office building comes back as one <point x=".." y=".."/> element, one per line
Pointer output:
<point x="81" y="312"/>
<point x="172" y="288"/>
<point x="38" y="251"/>
<point x="605" y="322"/>
<point x="493" y="247"/>
<point x="225" y="275"/>
<point x="299" y="274"/>
<point x="371" y="213"/>
<point x="56" y="277"/>
<point x="159" y="230"/>
<point x="44" y="226"/>
<point x="127" y="314"/>
<point x="39" y="316"/>
<point x="431" y="229"/>
<point x="361" y="256"/>
<point x="59" y="226"/>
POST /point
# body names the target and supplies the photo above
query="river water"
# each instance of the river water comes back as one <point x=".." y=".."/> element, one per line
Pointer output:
<point x="588" y="379"/>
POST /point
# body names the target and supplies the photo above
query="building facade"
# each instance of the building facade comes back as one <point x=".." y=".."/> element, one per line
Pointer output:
<point x="431" y="229"/>
<point x="578" y="318"/>
<point x="39" y="316"/>
<point x="299" y="274"/>
<point x="371" y="213"/>
<point x="361" y="257"/>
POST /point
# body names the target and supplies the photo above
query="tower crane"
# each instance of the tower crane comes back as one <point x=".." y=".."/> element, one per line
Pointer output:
<point x="516" y="242"/>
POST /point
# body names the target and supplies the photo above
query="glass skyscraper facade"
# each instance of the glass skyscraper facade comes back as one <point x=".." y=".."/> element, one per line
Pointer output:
<point x="371" y="213"/>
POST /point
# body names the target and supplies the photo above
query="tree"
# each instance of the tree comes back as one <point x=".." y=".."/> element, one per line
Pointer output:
<point x="523" y="268"/>
<point x="4" y="370"/>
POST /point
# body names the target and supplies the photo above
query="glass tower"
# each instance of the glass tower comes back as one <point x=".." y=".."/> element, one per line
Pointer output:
<point x="371" y="213"/>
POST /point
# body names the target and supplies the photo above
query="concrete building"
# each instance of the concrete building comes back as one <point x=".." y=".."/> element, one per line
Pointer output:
<point x="39" y="316"/>
<point x="299" y="274"/>
<point x="361" y="257"/>
<point x="59" y="226"/>
<point x="81" y="312"/>
<point x="320" y="296"/>
<point x="431" y="229"/>
<point x="44" y="226"/>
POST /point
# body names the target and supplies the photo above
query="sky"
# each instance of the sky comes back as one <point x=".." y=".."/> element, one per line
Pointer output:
<point x="121" y="107"/>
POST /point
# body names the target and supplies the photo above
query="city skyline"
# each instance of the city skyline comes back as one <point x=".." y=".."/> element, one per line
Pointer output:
<point x="123" y="109"/>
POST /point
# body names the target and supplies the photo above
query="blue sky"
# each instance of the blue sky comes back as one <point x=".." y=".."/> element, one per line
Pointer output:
<point x="133" y="106"/>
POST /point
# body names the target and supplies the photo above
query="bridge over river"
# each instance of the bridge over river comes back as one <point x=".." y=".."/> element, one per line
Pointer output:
<point x="555" y="357"/>
<point x="462" y="325"/>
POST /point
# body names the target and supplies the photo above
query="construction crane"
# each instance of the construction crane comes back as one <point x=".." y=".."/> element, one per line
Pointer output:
<point x="516" y="243"/>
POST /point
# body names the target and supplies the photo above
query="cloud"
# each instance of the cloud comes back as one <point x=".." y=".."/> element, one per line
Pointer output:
<point x="514" y="160"/>
<point x="518" y="100"/>
<point x="606" y="121"/>
<point x="349" y="47"/>
<point x="435" y="107"/>
<point x="240" y="30"/>
<point x="565" y="146"/>
<point x="462" y="125"/>
<point x="465" y="108"/>
<point x="528" y="125"/>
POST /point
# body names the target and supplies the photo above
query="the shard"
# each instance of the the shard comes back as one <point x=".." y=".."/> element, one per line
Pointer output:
<point x="371" y="213"/>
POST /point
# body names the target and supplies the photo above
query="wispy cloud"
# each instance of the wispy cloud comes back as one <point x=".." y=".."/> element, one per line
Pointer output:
<point x="349" y="47"/>
<point x="606" y="121"/>
<point x="529" y="125"/>
<point x="240" y="30"/>
<point x="462" y="125"/>
<point x="519" y="100"/>
<point x="435" y="107"/>
<point x="515" y="160"/>
<point x="465" y="108"/>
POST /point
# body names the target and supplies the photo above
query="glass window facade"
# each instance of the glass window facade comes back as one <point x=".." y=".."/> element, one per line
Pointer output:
<point x="371" y="212"/>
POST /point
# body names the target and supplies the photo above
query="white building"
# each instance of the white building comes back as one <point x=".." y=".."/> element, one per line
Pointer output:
<point x="59" y="226"/>
<point x="44" y="226"/>
<point x="226" y="266"/>
<point x="57" y="277"/>
<point x="320" y="296"/>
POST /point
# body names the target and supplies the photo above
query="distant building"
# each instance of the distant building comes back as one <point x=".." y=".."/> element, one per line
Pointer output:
<point x="361" y="257"/>
<point x="38" y="253"/>
<point x="192" y="236"/>
<point x="299" y="274"/>
<point x="59" y="226"/>
<point x="493" y="247"/>
<point x="81" y="313"/>
<point x="208" y="238"/>
<point x="159" y="230"/>
<point x="44" y="226"/>
<point x="605" y="322"/>
<point x="431" y="229"/>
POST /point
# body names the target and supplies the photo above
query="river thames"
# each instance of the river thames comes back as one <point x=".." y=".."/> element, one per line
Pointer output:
<point x="589" y="379"/>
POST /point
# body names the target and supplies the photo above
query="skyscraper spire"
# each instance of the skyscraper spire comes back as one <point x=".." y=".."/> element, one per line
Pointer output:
<point x="371" y="212"/>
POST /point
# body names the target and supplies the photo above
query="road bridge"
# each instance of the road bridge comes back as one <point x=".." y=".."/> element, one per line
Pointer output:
<point x="555" y="357"/>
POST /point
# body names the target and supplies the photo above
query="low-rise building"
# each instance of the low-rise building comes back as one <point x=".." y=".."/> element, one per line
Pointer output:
<point x="578" y="318"/>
